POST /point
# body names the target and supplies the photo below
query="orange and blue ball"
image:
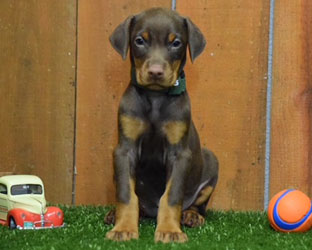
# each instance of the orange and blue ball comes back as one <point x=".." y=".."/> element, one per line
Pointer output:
<point x="290" y="211"/>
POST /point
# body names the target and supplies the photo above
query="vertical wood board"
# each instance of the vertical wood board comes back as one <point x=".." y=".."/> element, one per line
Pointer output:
<point x="227" y="85"/>
<point x="292" y="97"/>
<point x="37" y="86"/>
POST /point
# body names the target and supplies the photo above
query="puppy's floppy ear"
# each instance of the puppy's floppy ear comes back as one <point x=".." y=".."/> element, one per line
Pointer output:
<point x="121" y="36"/>
<point x="196" y="40"/>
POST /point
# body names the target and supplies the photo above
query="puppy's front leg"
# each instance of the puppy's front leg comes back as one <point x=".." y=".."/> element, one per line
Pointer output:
<point x="127" y="211"/>
<point x="170" y="207"/>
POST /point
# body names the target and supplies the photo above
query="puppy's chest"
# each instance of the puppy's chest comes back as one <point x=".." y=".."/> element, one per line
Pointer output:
<point x="155" y="122"/>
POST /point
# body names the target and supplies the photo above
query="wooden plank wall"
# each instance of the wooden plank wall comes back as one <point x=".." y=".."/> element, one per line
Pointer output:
<point x="227" y="85"/>
<point x="37" y="83"/>
<point x="292" y="97"/>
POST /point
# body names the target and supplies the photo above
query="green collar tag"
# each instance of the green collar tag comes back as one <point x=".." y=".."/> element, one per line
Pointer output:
<point x="178" y="88"/>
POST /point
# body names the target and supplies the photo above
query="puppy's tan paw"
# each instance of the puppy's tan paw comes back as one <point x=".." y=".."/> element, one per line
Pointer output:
<point x="122" y="235"/>
<point x="170" y="237"/>
<point x="191" y="218"/>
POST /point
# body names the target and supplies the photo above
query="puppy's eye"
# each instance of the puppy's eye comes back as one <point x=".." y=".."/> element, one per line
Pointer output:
<point x="176" y="43"/>
<point x="139" y="41"/>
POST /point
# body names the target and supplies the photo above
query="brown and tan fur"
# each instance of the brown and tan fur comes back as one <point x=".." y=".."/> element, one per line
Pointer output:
<point x="160" y="169"/>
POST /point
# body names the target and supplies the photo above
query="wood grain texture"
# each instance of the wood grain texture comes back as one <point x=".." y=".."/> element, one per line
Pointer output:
<point x="37" y="74"/>
<point x="227" y="86"/>
<point x="102" y="78"/>
<point x="292" y="97"/>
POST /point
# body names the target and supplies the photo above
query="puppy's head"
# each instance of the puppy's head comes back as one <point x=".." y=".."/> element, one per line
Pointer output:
<point x="158" y="39"/>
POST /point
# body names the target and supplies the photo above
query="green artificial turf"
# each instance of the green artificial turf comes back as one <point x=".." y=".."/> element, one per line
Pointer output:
<point x="223" y="230"/>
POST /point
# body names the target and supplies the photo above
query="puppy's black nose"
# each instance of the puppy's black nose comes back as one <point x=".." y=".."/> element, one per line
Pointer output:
<point x="156" y="71"/>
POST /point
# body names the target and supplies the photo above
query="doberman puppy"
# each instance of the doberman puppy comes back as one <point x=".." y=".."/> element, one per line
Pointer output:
<point x="160" y="169"/>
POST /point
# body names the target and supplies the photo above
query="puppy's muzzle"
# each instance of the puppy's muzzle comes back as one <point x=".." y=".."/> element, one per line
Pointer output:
<point x="156" y="72"/>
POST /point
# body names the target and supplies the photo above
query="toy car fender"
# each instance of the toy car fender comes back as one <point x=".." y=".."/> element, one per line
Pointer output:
<point x="22" y="219"/>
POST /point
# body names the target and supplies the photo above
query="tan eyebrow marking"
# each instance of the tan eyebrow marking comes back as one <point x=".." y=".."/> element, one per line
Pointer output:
<point x="171" y="37"/>
<point x="145" y="35"/>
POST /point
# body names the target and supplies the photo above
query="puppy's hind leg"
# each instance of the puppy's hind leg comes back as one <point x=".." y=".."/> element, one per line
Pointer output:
<point x="194" y="216"/>
<point x="210" y="174"/>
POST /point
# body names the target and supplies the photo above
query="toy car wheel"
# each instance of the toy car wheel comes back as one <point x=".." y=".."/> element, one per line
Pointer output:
<point x="12" y="224"/>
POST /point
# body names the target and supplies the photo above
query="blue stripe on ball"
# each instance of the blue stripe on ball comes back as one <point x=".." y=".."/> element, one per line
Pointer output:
<point x="284" y="225"/>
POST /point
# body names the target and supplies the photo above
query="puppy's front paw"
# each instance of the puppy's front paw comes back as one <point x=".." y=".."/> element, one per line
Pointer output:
<point x="191" y="218"/>
<point x="170" y="237"/>
<point x="122" y="235"/>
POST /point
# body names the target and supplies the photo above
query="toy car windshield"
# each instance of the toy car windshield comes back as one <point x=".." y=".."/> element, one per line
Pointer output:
<point x="26" y="189"/>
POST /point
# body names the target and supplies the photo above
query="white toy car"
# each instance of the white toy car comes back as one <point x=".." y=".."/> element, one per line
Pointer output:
<point x="23" y="205"/>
